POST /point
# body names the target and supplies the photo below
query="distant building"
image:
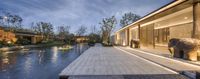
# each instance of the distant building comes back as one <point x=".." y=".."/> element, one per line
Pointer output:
<point x="81" y="39"/>
<point x="12" y="37"/>
<point x="33" y="37"/>
<point x="7" y="36"/>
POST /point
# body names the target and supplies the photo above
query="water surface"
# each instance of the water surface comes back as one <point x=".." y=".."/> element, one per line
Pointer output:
<point x="37" y="63"/>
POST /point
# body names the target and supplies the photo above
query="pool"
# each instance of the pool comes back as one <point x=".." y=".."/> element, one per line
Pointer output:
<point x="37" y="63"/>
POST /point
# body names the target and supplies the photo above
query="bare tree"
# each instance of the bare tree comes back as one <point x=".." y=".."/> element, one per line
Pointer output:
<point x="128" y="18"/>
<point x="43" y="28"/>
<point x="63" y="31"/>
<point x="107" y="26"/>
<point x="81" y="31"/>
<point x="94" y="35"/>
<point x="93" y="29"/>
<point x="14" y="22"/>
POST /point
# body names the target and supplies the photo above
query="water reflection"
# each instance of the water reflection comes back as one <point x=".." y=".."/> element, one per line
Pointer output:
<point x="37" y="63"/>
<point x="55" y="55"/>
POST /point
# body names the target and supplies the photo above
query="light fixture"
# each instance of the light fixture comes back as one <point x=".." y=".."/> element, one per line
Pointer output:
<point x="124" y="43"/>
<point x="185" y="17"/>
<point x="9" y="42"/>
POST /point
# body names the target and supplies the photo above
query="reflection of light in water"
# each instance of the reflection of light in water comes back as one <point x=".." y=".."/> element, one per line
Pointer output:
<point x="5" y="58"/>
<point x="55" y="55"/>
<point x="40" y="55"/>
<point x="27" y="65"/>
<point x="8" y="52"/>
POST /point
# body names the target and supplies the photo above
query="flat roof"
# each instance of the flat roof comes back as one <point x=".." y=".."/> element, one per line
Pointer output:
<point x="165" y="7"/>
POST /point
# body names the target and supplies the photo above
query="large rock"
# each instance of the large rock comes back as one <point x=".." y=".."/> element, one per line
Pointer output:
<point x="186" y="48"/>
<point x="135" y="43"/>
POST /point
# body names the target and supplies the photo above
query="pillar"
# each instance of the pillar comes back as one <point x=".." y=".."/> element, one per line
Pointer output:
<point x="139" y="31"/>
<point x="128" y="37"/>
<point x="33" y="40"/>
<point x="196" y="20"/>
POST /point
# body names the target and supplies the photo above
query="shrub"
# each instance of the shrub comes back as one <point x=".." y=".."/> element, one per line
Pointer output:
<point x="23" y="41"/>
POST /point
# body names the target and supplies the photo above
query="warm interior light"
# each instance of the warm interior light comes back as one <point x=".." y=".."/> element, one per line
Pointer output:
<point x="124" y="43"/>
<point x="185" y="17"/>
<point x="9" y="42"/>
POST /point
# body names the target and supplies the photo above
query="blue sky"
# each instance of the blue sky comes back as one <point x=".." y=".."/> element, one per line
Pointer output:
<point x="77" y="12"/>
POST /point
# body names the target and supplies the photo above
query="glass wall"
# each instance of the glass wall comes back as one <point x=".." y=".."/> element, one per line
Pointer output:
<point x="146" y="35"/>
<point x="179" y="25"/>
<point x="181" y="31"/>
<point x="134" y="33"/>
<point x="161" y="36"/>
<point x="123" y="37"/>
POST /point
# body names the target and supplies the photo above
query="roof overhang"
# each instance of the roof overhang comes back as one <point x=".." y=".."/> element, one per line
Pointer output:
<point x="170" y="5"/>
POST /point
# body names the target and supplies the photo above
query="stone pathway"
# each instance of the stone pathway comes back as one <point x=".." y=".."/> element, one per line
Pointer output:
<point x="112" y="63"/>
<point x="176" y="65"/>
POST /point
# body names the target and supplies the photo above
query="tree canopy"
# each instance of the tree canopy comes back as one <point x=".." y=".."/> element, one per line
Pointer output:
<point x="128" y="18"/>
<point x="107" y="26"/>
<point x="81" y="31"/>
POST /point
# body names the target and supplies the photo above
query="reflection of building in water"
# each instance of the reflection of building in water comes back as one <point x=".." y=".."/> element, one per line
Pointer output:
<point x="7" y="60"/>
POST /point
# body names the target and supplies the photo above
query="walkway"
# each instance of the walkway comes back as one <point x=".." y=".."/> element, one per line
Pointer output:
<point x="111" y="63"/>
<point x="166" y="53"/>
<point x="173" y="64"/>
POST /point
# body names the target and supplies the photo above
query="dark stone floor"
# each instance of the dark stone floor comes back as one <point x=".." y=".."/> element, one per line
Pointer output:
<point x="160" y="76"/>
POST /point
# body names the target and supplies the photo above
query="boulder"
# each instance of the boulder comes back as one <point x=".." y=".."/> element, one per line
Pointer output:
<point x="186" y="48"/>
<point x="135" y="43"/>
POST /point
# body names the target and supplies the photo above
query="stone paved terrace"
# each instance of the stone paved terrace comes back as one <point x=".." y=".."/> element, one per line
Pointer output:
<point x="173" y="64"/>
<point x="112" y="63"/>
<point x="166" y="53"/>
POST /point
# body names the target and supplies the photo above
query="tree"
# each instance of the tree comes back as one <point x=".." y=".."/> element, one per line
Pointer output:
<point x="81" y="31"/>
<point x="93" y="29"/>
<point x="43" y="28"/>
<point x="128" y="18"/>
<point x="63" y="32"/>
<point x="14" y="22"/>
<point x="107" y="26"/>
<point x="94" y="36"/>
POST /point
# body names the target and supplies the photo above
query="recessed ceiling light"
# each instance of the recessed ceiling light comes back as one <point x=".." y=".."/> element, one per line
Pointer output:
<point x="185" y="17"/>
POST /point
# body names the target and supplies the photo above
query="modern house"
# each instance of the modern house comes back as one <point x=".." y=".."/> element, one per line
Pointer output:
<point x="178" y="19"/>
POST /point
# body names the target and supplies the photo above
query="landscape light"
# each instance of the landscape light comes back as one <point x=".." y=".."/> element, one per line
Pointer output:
<point x="9" y="42"/>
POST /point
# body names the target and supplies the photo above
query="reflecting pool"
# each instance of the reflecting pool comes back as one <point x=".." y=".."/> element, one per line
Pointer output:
<point x="37" y="63"/>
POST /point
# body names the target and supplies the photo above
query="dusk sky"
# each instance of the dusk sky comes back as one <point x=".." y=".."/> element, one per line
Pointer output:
<point x="77" y="12"/>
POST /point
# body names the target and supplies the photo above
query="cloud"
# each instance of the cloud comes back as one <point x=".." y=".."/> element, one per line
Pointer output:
<point x="77" y="12"/>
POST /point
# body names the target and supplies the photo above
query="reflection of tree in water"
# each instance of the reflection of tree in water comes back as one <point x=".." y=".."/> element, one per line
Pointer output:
<point x="79" y="48"/>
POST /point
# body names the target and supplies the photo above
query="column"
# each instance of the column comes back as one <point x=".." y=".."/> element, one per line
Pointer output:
<point x="196" y="18"/>
<point x="128" y="37"/>
<point x="33" y="40"/>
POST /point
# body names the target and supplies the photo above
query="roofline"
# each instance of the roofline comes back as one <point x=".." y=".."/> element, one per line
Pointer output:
<point x="163" y="8"/>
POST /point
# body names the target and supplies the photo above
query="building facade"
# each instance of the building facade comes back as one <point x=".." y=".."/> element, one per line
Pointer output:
<point x="12" y="37"/>
<point x="178" y="19"/>
<point x="8" y="37"/>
